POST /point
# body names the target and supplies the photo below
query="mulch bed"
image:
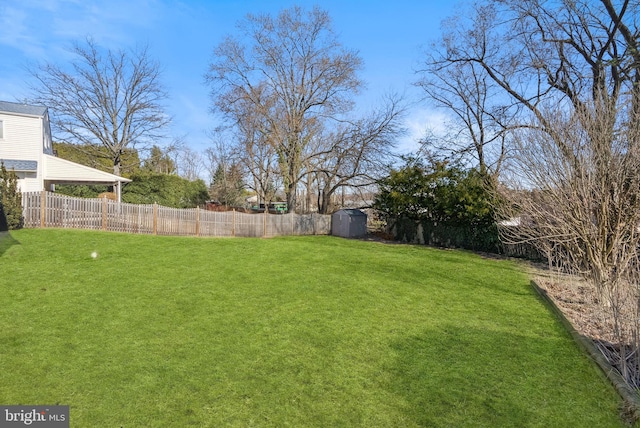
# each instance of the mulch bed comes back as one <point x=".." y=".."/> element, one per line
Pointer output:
<point x="576" y="299"/>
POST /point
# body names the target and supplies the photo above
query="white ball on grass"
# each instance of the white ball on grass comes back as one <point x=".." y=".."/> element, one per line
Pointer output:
<point x="94" y="255"/>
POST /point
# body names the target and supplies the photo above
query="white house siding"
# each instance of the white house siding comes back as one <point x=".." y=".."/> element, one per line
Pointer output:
<point x="22" y="137"/>
<point x="23" y="140"/>
<point x="28" y="182"/>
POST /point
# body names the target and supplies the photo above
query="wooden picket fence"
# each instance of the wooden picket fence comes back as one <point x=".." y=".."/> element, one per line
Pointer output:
<point x="46" y="209"/>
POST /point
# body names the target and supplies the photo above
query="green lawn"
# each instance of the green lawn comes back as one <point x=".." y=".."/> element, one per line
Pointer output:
<point x="295" y="331"/>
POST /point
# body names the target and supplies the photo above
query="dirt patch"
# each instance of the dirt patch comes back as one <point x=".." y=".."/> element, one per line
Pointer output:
<point x="578" y="301"/>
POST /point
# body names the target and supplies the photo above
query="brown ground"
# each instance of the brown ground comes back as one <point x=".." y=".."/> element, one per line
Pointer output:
<point x="577" y="300"/>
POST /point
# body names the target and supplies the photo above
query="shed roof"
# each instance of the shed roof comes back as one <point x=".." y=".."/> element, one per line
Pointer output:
<point x="352" y="212"/>
<point x="27" y="109"/>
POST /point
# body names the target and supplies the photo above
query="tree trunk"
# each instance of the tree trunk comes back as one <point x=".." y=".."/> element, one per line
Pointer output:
<point x="324" y="201"/>
<point x="290" y="192"/>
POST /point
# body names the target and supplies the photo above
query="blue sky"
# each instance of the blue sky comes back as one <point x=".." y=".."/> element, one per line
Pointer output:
<point x="181" y="35"/>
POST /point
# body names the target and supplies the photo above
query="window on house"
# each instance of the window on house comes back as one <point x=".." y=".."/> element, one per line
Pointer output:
<point x="1" y="130"/>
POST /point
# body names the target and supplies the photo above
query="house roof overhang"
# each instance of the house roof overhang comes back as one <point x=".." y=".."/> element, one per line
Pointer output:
<point x="62" y="171"/>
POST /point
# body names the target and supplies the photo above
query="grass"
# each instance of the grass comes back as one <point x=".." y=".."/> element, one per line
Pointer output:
<point x="296" y="331"/>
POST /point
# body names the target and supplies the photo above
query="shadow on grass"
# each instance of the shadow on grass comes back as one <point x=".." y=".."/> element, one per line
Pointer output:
<point x="6" y="240"/>
<point x="455" y="376"/>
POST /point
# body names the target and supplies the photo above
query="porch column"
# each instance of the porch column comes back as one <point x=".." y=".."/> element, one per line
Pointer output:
<point x="118" y="189"/>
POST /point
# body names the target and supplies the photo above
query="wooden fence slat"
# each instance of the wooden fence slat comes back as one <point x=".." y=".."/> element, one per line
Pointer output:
<point x="104" y="213"/>
<point x="43" y="207"/>
<point x="197" y="221"/>
<point x="155" y="219"/>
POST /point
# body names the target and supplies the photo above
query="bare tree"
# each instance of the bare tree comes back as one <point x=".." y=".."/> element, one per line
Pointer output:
<point x="214" y="156"/>
<point x="583" y="212"/>
<point x="258" y="158"/>
<point x="356" y="153"/>
<point x="190" y="163"/>
<point x="113" y="98"/>
<point x="225" y="174"/>
<point x="573" y="68"/>
<point x="292" y="71"/>
<point x="247" y="143"/>
<point x="481" y="116"/>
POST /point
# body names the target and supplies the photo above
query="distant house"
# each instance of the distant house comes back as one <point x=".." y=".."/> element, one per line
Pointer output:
<point x="26" y="148"/>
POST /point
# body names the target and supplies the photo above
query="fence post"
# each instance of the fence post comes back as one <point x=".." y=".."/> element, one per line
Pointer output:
<point x="264" y="221"/>
<point x="104" y="213"/>
<point x="197" y="221"/>
<point x="43" y="208"/>
<point x="155" y="218"/>
<point x="233" y="224"/>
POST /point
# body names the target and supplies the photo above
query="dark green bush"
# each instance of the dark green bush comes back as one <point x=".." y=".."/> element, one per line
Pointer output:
<point x="166" y="190"/>
<point x="10" y="199"/>
<point x="456" y="207"/>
